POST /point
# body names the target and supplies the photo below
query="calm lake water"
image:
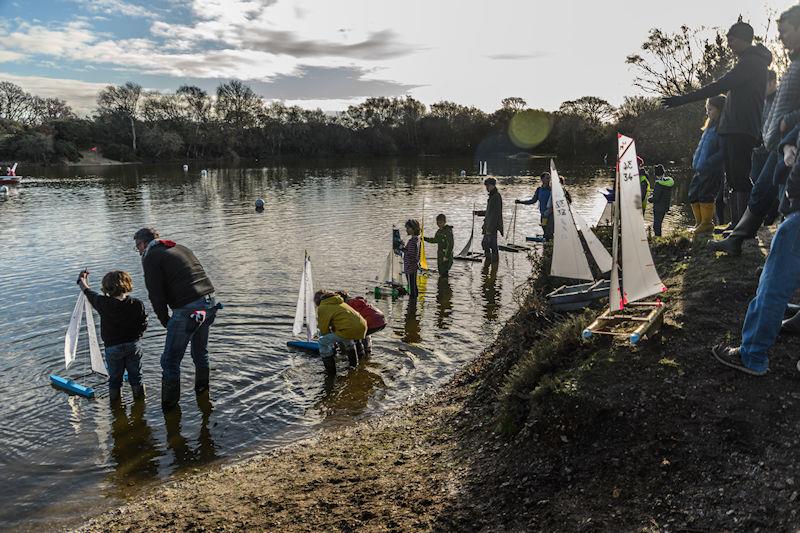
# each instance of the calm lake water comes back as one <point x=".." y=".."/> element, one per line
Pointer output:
<point x="63" y="457"/>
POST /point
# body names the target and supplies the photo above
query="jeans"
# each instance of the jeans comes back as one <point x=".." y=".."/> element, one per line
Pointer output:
<point x="413" y="291"/>
<point x="658" y="217"/>
<point x="489" y="244"/>
<point x="779" y="279"/>
<point x="327" y="343"/>
<point x="764" y="193"/>
<point x="122" y="357"/>
<point x="181" y="330"/>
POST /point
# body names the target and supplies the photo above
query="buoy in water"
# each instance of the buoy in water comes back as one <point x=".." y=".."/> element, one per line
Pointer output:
<point x="259" y="204"/>
<point x="186" y="168"/>
<point x="3" y="190"/>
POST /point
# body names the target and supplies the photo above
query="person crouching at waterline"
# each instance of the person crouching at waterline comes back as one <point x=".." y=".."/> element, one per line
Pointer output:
<point x="175" y="280"/>
<point x="338" y="323"/>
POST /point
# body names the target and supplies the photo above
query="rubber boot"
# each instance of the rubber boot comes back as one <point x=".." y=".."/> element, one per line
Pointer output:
<point x="706" y="224"/>
<point x="791" y="325"/>
<point x="697" y="215"/>
<point x="114" y="395"/>
<point x="200" y="380"/>
<point x="367" y="343"/>
<point x="330" y="365"/>
<point x="352" y="355"/>
<point x="360" y="350"/>
<point x="138" y="391"/>
<point x="732" y="244"/>
<point x="170" y="393"/>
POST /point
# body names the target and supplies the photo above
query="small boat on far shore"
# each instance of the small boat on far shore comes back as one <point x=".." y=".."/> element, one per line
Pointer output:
<point x="10" y="180"/>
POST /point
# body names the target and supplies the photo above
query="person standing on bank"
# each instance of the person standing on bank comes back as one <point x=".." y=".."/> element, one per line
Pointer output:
<point x="784" y="114"/>
<point x="543" y="195"/>
<point x="492" y="221"/>
<point x="175" y="280"/>
<point x="707" y="166"/>
<point x="740" y="124"/>
<point x="661" y="197"/>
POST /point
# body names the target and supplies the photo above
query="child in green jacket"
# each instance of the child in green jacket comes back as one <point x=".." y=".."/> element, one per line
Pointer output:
<point x="661" y="198"/>
<point x="443" y="239"/>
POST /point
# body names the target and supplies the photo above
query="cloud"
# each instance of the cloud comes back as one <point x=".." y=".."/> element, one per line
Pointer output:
<point x="38" y="39"/>
<point x="117" y="7"/>
<point x="378" y="45"/>
<point x="8" y="55"/>
<point x="81" y="95"/>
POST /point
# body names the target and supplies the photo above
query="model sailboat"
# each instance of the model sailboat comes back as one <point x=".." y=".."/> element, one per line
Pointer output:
<point x="639" y="280"/>
<point x="569" y="259"/>
<point x="98" y="364"/>
<point x="305" y="314"/>
<point x="391" y="282"/>
<point x="467" y="254"/>
<point x="512" y="231"/>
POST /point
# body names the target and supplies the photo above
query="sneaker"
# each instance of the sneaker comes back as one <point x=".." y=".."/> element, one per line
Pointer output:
<point x="732" y="357"/>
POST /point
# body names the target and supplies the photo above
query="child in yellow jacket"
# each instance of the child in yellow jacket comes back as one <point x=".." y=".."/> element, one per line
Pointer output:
<point x="338" y="322"/>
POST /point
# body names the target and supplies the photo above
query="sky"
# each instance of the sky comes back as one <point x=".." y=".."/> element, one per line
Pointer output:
<point x="333" y="53"/>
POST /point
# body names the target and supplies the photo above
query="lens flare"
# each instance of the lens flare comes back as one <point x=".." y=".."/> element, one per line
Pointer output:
<point x="529" y="128"/>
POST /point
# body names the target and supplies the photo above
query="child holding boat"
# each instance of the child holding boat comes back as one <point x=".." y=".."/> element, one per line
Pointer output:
<point x="443" y="239"/>
<point x="338" y="323"/>
<point x="123" y="320"/>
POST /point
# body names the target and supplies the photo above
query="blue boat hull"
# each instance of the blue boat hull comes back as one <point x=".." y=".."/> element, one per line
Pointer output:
<point x="70" y="386"/>
<point x="312" y="346"/>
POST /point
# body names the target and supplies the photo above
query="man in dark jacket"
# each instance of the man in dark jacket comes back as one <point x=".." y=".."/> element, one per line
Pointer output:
<point x="783" y="115"/>
<point x="175" y="280"/>
<point x="778" y="282"/>
<point x="740" y="124"/>
<point x="492" y="222"/>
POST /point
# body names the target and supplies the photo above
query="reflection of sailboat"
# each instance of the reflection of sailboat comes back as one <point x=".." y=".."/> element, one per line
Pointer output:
<point x="82" y="307"/>
<point x="390" y="282"/>
<point x="467" y="254"/>
<point x="305" y="315"/>
<point x="607" y="216"/>
<point x="569" y="259"/>
<point x="512" y="231"/>
<point x="640" y="279"/>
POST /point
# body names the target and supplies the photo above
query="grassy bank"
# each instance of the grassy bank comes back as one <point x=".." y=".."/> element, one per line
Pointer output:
<point x="543" y="432"/>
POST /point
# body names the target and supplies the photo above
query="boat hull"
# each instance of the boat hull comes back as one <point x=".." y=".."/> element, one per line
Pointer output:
<point x="575" y="297"/>
<point x="309" y="346"/>
<point x="9" y="181"/>
<point x="470" y="256"/>
<point x="70" y="386"/>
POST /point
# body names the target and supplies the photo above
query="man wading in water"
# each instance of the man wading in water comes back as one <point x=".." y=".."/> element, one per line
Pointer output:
<point x="492" y="222"/>
<point x="175" y="278"/>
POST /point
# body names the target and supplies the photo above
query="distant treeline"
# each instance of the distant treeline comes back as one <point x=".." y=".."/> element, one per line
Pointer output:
<point x="131" y="124"/>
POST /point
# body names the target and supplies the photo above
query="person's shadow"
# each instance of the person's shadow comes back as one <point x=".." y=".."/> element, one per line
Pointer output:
<point x="411" y="329"/>
<point x="134" y="448"/>
<point x="444" y="302"/>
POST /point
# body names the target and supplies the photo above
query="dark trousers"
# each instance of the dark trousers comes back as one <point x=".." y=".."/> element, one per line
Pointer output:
<point x="182" y="329"/>
<point x="444" y="266"/>
<point x="122" y="357"/>
<point x="412" y="284"/>
<point x="765" y="192"/>
<point x="490" y="250"/>
<point x="705" y="187"/>
<point x="658" y="218"/>
<point x="738" y="149"/>
<point x="549" y="228"/>
<point x="720" y="202"/>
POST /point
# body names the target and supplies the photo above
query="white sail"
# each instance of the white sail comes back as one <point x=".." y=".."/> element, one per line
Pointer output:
<point x="639" y="276"/>
<point x="73" y="330"/>
<point x="569" y="260"/>
<point x="596" y="248"/>
<point x="300" y="307"/>
<point x="95" y="356"/>
<point x="311" y="312"/>
<point x="607" y="216"/>
<point x="468" y="246"/>
<point x="82" y="306"/>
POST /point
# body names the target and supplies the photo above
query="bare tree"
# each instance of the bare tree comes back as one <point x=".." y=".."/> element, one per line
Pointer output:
<point x="15" y="104"/>
<point x="594" y="110"/>
<point x="514" y="103"/>
<point x="122" y="99"/>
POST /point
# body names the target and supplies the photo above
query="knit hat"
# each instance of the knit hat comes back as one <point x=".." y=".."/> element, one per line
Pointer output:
<point x="741" y="30"/>
<point x="490" y="181"/>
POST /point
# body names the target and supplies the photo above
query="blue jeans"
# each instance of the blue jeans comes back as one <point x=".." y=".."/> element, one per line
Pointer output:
<point x="181" y="330"/>
<point x="327" y="343"/>
<point x="764" y="192"/>
<point x="122" y="357"/>
<point x="779" y="280"/>
<point x="489" y="244"/>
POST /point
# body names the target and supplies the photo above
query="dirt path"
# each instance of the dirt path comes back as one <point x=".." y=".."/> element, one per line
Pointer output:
<point x="605" y="438"/>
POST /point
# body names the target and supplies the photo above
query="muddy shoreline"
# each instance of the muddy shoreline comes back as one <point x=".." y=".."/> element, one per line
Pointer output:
<point x="607" y="438"/>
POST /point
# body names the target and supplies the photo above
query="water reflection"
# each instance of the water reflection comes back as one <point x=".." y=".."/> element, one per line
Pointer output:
<point x="444" y="302"/>
<point x="183" y="454"/>
<point x="491" y="290"/>
<point x="134" y="451"/>
<point x="411" y="324"/>
<point x="349" y="396"/>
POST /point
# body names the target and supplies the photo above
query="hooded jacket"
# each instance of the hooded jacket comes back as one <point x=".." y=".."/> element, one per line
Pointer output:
<point x="368" y="312"/>
<point x="335" y="316"/>
<point x="662" y="193"/>
<point x="493" y="215"/>
<point x="173" y="276"/>
<point x="542" y="195"/>
<point x="785" y="105"/>
<point x="746" y="88"/>
<point x="443" y="239"/>
<point x="708" y="157"/>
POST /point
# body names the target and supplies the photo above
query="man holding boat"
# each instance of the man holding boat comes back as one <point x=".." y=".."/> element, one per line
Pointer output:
<point x="492" y="221"/>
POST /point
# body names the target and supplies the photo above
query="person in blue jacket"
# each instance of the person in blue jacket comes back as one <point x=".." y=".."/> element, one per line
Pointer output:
<point x="543" y="195"/>
<point x="708" y="166"/>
